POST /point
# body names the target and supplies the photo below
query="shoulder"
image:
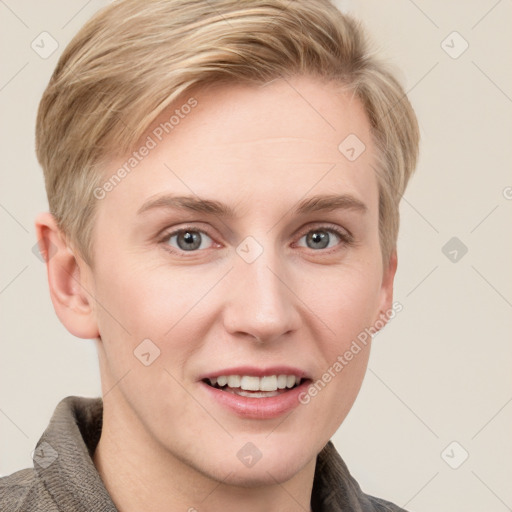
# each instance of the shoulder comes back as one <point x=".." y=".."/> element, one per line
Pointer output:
<point x="23" y="491"/>
<point x="14" y="489"/>
<point x="62" y="462"/>
<point x="335" y="489"/>
<point x="380" y="505"/>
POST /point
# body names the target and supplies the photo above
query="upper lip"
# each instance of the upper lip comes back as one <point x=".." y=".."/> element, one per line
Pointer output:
<point x="257" y="372"/>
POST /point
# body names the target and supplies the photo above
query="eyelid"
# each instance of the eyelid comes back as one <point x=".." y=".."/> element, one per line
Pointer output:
<point x="346" y="238"/>
<point x="166" y="234"/>
<point x="326" y="226"/>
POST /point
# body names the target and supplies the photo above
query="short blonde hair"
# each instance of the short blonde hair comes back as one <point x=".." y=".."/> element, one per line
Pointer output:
<point x="135" y="57"/>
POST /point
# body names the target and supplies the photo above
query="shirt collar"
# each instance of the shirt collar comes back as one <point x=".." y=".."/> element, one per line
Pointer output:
<point x="63" y="456"/>
<point x="63" y="460"/>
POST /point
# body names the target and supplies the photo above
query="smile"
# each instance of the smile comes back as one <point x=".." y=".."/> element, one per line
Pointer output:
<point x="254" y="387"/>
<point x="256" y="393"/>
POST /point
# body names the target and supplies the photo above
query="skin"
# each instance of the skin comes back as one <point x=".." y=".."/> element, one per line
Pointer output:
<point x="260" y="150"/>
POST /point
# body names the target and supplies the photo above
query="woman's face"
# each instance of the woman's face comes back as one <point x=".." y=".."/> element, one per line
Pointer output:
<point x="240" y="250"/>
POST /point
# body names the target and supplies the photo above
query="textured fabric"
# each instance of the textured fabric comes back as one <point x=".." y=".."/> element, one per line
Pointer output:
<point x="64" y="478"/>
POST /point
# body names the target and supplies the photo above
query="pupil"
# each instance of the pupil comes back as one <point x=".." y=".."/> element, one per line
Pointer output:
<point x="191" y="240"/>
<point x="319" y="239"/>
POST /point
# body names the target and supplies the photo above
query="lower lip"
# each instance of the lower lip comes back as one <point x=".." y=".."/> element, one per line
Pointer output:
<point x="258" y="408"/>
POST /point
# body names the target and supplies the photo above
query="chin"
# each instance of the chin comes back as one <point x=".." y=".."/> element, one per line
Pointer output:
<point x="249" y="466"/>
<point x="261" y="474"/>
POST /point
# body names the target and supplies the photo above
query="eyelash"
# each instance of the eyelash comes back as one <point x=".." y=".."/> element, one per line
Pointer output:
<point x="346" y="239"/>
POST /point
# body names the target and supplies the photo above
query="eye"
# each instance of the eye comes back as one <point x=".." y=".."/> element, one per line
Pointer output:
<point x="188" y="239"/>
<point x="325" y="238"/>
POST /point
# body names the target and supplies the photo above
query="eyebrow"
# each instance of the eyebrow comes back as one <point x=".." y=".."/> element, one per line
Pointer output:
<point x="317" y="203"/>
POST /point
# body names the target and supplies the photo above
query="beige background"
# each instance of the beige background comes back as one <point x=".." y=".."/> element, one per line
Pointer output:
<point x="440" y="372"/>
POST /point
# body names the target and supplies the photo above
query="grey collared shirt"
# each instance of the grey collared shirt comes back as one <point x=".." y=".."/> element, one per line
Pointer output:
<point x="65" y="479"/>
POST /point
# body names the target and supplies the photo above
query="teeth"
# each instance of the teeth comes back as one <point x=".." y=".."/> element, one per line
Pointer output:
<point x="250" y="383"/>
<point x="253" y="394"/>
<point x="269" y="383"/>
<point x="234" y="381"/>
<point x="281" y="381"/>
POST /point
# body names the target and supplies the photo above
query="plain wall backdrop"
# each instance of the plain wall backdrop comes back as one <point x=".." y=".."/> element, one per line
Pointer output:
<point x="431" y="427"/>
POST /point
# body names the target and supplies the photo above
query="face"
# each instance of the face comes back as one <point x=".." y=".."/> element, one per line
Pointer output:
<point x="241" y="252"/>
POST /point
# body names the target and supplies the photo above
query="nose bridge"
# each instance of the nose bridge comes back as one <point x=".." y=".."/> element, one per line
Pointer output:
<point x="261" y="304"/>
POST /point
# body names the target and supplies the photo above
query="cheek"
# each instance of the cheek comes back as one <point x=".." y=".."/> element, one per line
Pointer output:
<point x="148" y="300"/>
<point x="168" y="306"/>
<point x="345" y="299"/>
<point x="347" y="308"/>
<point x="152" y="311"/>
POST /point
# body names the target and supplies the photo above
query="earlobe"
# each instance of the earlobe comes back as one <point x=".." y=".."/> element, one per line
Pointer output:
<point x="67" y="279"/>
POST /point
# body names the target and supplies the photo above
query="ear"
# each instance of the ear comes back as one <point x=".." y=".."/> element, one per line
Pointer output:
<point x="68" y="279"/>
<point x="386" y="291"/>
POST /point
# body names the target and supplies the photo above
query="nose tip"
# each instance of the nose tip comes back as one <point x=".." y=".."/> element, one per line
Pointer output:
<point x="260" y="305"/>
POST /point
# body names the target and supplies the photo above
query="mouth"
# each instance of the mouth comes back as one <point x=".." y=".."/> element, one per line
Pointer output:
<point x="255" y="393"/>
<point x="252" y="386"/>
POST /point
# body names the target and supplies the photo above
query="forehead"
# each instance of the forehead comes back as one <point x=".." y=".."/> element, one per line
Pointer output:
<point x="284" y="138"/>
<point x="269" y="121"/>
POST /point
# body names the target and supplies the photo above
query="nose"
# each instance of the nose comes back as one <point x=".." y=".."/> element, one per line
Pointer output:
<point x="261" y="305"/>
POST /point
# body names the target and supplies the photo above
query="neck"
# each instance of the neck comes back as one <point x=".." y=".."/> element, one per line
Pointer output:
<point x="141" y="474"/>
